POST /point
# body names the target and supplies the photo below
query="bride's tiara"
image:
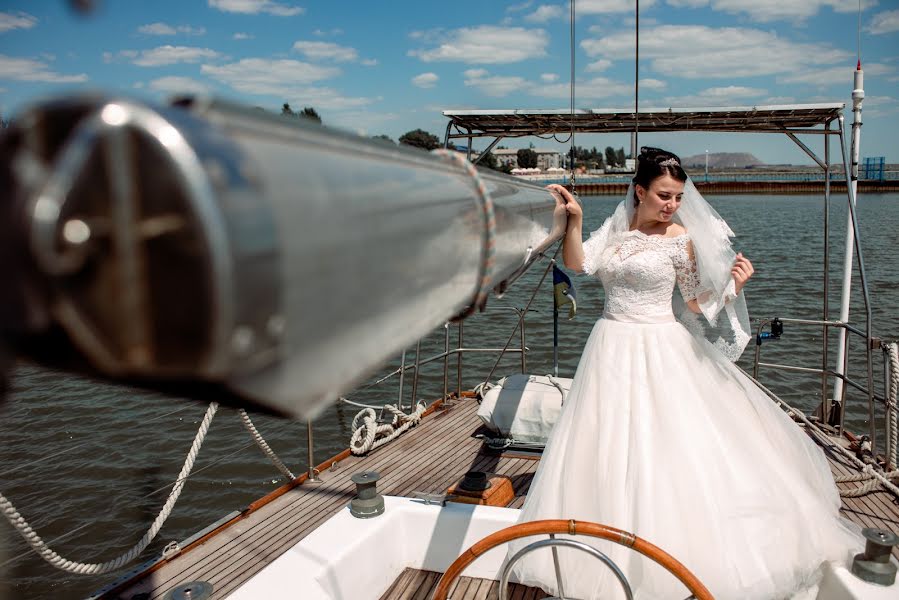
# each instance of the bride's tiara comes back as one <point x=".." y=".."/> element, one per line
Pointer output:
<point x="669" y="162"/>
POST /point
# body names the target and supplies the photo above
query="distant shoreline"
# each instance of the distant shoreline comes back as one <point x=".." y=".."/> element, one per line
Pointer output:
<point x="593" y="188"/>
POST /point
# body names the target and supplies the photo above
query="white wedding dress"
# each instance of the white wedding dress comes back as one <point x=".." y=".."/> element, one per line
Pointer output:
<point x="662" y="436"/>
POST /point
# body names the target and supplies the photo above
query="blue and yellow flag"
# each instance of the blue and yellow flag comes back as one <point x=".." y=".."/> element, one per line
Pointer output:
<point x="563" y="292"/>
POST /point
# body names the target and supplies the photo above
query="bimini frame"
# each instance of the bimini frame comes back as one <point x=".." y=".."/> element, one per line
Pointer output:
<point x="791" y="120"/>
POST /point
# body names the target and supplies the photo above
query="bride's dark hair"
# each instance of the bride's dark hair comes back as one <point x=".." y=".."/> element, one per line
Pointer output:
<point x="654" y="162"/>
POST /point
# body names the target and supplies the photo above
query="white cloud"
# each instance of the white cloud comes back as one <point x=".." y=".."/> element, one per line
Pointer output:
<point x="425" y="80"/>
<point x="773" y="100"/>
<point x="254" y="7"/>
<point x="544" y="13"/>
<point x="27" y="69"/>
<point x="178" y="85"/>
<point x="284" y="79"/>
<point x="688" y="3"/>
<point x="718" y="96"/>
<point x="652" y="84"/>
<point x="773" y="10"/>
<point x="166" y="55"/>
<point x="549" y="77"/>
<point x="586" y="90"/>
<point x="19" y="20"/>
<point x="157" y="29"/>
<point x="495" y="86"/>
<point x="589" y="7"/>
<point x="598" y="66"/>
<point x="834" y="76"/>
<point x="166" y="29"/>
<point x="322" y="33"/>
<point x="520" y="7"/>
<point x="486" y="44"/>
<point x="325" y="51"/>
<point x="885" y="22"/>
<point x="698" y="51"/>
<point x="242" y="36"/>
<point x="368" y="62"/>
<point x="249" y="72"/>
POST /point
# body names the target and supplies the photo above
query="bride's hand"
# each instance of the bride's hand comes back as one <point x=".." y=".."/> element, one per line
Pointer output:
<point x="741" y="271"/>
<point x="564" y="198"/>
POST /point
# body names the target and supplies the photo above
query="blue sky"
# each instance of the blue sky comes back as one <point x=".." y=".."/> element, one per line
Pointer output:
<point x="389" y="67"/>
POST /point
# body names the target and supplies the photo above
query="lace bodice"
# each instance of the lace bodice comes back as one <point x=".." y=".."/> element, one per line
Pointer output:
<point x="639" y="272"/>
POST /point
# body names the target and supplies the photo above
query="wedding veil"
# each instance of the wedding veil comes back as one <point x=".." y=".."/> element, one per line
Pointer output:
<point x="726" y="318"/>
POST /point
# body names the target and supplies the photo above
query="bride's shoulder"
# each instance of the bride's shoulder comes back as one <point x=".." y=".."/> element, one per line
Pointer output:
<point x="675" y="230"/>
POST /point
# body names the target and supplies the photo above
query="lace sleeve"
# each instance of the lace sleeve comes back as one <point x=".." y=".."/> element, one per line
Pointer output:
<point x="593" y="248"/>
<point x="685" y="269"/>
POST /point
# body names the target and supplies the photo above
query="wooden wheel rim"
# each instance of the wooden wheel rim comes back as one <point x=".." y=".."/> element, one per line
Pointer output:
<point x="571" y="527"/>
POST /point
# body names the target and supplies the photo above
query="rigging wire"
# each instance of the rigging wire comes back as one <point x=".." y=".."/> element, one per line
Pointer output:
<point x="636" y="148"/>
<point x="572" y="83"/>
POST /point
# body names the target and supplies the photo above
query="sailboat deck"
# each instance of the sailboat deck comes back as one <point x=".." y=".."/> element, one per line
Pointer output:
<point x="428" y="458"/>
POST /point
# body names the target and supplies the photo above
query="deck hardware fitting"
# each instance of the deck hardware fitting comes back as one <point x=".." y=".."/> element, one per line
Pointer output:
<point x="368" y="502"/>
<point x="193" y="590"/>
<point x="873" y="565"/>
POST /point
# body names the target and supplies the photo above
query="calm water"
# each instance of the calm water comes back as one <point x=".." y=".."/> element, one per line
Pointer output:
<point x="89" y="465"/>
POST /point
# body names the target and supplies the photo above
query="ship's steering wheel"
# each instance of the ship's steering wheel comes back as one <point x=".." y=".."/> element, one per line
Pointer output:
<point x="572" y="527"/>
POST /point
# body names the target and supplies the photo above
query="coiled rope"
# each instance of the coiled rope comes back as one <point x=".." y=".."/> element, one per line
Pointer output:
<point x="368" y="434"/>
<point x="35" y="541"/>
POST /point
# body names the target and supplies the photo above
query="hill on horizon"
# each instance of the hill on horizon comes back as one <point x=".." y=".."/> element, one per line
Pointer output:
<point x="723" y="160"/>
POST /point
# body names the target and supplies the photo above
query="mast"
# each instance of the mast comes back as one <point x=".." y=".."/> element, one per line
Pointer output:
<point x="858" y="96"/>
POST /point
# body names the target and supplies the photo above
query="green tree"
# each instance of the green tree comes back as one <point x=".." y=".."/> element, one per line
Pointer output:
<point x="307" y="113"/>
<point x="383" y="138"/>
<point x="311" y="114"/>
<point x="619" y="157"/>
<point x="527" y="158"/>
<point x="489" y="161"/>
<point x="611" y="158"/>
<point x="420" y="138"/>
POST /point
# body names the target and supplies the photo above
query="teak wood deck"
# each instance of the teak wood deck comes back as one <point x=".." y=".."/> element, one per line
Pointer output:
<point x="428" y="458"/>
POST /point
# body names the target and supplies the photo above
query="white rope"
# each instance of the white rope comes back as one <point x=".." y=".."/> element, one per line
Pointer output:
<point x="25" y="530"/>
<point x="892" y="416"/>
<point x="368" y="434"/>
<point x="359" y="404"/>
<point x="559" y="387"/>
<point x="263" y="445"/>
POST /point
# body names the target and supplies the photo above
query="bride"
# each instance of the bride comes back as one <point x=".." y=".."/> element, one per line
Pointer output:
<point x="661" y="435"/>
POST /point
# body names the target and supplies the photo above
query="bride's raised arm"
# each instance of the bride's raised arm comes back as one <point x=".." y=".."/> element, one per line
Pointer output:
<point x="573" y="245"/>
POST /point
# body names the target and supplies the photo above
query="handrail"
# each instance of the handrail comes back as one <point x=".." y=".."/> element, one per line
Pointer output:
<point x="826" y="372"/>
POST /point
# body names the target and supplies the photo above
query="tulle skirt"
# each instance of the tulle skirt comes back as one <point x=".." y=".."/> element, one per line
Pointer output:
<point x="663" y="437"/>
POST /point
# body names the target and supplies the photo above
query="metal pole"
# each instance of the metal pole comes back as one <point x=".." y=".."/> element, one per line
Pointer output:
<point x="637" y="76"/>
<point x="399" y="394"/>
<point x="415" y="375"/>
<point x="858" y="96"/>
<point x="706" y="165"/>
<point x="825" y="400"/>
<point x="558" y="568"/>
<point x="863" y="279"/>
<point x="446" y="362"/>
<point x="311" y="473"/>
<point x="555" y="342"/>
<point x="459" y="365"/>
<point x="524" y="361"/>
